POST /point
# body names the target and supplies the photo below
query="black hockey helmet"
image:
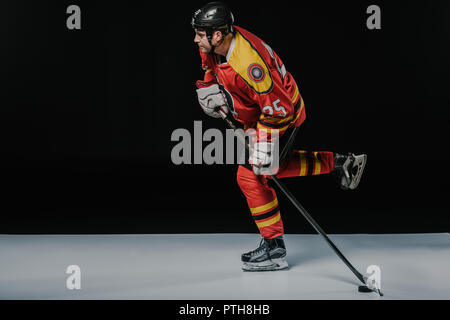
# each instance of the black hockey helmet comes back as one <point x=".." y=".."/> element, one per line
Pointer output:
<point x="212" y="17"/>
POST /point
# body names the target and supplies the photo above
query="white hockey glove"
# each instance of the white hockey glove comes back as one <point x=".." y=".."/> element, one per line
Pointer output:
<point x="212" y="99"/>
<point x="261" y="157"/>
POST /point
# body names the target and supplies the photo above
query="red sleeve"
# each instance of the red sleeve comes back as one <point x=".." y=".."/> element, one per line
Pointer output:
<point x="207" y="65"/>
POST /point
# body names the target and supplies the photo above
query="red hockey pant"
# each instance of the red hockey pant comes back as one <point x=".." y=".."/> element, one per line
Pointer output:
<point x="262" y="199"/>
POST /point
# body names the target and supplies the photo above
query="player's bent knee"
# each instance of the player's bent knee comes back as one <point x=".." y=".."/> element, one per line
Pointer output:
<point x="246" y="177"/>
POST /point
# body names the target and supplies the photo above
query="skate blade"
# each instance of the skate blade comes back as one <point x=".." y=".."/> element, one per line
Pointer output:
<point x="273" y="265"/>
<point x="360" y="162"/>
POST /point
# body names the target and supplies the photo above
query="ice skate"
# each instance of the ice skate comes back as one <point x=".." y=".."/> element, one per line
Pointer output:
<point x="349" y="169"/>
<point x="269" y="256"/>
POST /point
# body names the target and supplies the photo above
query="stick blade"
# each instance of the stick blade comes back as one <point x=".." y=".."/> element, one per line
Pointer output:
<point x="366" y="289"/>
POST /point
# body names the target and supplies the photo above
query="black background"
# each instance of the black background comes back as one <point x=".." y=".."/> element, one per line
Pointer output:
<point x="87" y="116"/>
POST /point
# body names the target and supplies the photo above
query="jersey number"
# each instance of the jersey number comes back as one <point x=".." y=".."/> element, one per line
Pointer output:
<point x="269" y="110"/>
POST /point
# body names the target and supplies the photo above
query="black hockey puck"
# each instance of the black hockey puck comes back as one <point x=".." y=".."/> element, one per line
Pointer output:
<point x="364" y="289"/>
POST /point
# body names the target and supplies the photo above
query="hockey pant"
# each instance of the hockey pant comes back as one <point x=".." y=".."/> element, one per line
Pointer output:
<point x="262" y="199"/>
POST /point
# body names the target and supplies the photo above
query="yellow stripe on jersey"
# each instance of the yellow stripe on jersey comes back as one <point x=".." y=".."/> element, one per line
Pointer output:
<point x="276" y="120"/>
<point x="299" y="112"/>
<point x="296" y="94"/>
<point x="269" y="222"/>
<point x="272" y="131"/>
<point x="244" y="56"/>
<point x="265" y="207"/>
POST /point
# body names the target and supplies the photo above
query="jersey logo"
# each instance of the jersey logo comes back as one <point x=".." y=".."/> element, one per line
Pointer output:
<point x="250" y="66"/>
<point x="256" y="72"/>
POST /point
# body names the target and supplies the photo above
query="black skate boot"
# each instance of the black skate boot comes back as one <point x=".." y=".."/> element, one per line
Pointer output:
<point x="270" y="256"/>
<point x="348" y="169"/>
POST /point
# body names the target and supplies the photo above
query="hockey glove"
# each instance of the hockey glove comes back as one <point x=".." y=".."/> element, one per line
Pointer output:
<point x="261" y="157"/>
<point x="211" y="99"/>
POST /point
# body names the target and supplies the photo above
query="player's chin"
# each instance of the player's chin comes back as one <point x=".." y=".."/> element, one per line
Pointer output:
<point x="204" y="50"/>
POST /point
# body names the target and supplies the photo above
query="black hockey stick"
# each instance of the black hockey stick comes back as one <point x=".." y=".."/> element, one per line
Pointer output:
<point x="306" y="214"/>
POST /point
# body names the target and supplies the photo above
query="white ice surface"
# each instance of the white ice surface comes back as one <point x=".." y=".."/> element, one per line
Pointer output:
<point x="207" y="266"/>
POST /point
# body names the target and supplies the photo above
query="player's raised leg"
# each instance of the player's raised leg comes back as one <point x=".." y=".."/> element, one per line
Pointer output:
<point x="347" y="168"/>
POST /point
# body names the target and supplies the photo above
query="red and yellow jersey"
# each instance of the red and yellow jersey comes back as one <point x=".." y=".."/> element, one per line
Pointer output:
<point x="261" y="93"/>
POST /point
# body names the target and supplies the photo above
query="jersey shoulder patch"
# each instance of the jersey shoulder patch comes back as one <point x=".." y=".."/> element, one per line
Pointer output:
<point x="250" y="66"/>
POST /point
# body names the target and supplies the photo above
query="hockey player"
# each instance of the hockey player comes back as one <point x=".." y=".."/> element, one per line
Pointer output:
<point x="246" y="79"/>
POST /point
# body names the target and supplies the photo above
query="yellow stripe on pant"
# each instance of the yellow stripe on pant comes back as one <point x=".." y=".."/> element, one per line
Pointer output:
<point x="269" y="222"/>
<point x="317" y="164"/>
<point x="265" y="207"/>
<point x="302" y="163"/>
<point x="307" y="160"/>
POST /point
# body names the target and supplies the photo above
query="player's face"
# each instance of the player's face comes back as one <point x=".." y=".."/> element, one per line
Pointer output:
<point x="202" y="41"/>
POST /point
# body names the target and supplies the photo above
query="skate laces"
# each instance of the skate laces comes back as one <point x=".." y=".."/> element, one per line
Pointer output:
<point x="263" y="246"/>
